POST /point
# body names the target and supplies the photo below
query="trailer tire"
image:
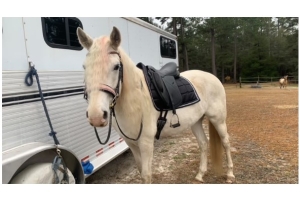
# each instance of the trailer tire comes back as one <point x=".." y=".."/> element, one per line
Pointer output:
<point x="40" y="173"/>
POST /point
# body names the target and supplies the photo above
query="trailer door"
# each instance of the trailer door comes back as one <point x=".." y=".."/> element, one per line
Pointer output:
<point x="52" y="43"/>
<point x="14" y="57"/>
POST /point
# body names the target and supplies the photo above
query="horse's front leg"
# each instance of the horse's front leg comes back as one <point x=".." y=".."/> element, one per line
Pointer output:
<point x="136" y="154"/>
<point x="146" y="150"/>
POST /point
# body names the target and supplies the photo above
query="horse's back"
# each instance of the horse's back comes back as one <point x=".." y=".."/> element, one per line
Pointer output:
<point x="204" y="82"/>
<point x="281" y="81"/>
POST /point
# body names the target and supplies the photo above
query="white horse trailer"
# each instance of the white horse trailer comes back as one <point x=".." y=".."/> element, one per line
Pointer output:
<point x="51" y="46"/>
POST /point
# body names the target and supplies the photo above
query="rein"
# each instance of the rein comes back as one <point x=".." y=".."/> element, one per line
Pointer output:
<point x="115" y="94"/>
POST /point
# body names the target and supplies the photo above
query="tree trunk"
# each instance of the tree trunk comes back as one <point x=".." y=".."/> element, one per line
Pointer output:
<point x="223" y="80"/>
<point x="278" y="27"/>
<point x="269" y="36"/>
<point x="234" y="65"/>
<point x="214" y="69"/>
<point x="174" y="26"/>
<point x="185" y="56"/>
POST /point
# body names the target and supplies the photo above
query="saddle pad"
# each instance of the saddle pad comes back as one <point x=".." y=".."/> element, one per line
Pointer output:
<point x="188" y="93"/>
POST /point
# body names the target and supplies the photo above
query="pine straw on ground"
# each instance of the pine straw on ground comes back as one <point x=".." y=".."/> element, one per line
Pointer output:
<point x="263" y="128"/>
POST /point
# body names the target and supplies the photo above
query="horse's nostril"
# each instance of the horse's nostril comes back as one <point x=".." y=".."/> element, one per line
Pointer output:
<point x="87" y="114"/>
<point x="104" y="115"/>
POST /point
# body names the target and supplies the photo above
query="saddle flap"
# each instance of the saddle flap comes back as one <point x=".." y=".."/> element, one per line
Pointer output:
<point x="158" y="82"/>
<point x="173" y="91"/>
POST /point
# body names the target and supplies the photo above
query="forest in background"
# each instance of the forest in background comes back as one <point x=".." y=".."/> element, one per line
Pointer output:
<point x="235" y="46"/>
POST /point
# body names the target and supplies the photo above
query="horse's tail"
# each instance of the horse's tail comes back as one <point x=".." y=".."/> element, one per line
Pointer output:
<point x="216" y="149"/>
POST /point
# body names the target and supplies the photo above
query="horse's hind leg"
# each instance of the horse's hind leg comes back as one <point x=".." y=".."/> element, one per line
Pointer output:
<point x="221" y="127"/>
<point x="198" y="131"/>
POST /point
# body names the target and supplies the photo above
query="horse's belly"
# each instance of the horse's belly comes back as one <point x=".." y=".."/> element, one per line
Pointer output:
<point x="167" y="130"/>
<point x="187" y="117"/>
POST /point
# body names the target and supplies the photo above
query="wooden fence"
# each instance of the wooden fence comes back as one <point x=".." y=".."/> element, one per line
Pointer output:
<point x="265" y="81"/>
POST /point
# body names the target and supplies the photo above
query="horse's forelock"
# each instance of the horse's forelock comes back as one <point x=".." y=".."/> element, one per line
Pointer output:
<point x="97" y="62"/>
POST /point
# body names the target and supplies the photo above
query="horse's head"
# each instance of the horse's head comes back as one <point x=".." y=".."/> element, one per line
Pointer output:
<point x="103" y="74"/>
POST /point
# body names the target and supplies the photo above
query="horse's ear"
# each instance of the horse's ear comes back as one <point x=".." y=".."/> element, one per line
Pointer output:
<point x="84" y="39"/>
<point x="115" y="38"/>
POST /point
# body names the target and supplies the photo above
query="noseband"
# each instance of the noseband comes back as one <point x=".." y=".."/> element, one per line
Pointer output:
<point x="115" y="94"/>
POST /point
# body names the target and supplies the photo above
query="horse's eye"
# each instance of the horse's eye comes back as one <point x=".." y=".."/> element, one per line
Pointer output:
<point x="117" y="67"/>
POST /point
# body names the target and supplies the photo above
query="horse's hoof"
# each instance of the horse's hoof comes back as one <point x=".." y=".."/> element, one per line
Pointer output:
<point x="230" y="179"/>
<point x="199" y="178"/>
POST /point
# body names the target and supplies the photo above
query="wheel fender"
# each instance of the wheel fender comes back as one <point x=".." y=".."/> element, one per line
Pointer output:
<point x="17" y="159"/>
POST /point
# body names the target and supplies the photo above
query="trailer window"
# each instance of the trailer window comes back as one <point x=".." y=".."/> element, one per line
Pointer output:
<point x="167" y="47"/>
<point x="60" y="32"/>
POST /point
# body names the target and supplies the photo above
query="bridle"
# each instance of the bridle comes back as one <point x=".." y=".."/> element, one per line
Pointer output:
<point x="114" y="92"/>
<point x="108" y="89"/>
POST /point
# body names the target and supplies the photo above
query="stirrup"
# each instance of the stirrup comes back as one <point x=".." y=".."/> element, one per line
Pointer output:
<point x="174" y="125"/>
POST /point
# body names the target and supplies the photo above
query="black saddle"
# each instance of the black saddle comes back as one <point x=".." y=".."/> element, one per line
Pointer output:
<point x="165" y="93"/>
<point x="168" y="91"/>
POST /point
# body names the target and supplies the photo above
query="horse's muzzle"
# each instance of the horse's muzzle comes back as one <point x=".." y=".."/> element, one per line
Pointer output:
<point x="98" y="122"/>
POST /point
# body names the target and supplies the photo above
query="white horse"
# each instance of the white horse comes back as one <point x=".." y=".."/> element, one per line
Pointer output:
<point x="283" y="82"/>
<point x="130" y="97"/>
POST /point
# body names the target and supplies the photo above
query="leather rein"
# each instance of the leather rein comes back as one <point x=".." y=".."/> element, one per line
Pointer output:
<point x="115" y="94"/>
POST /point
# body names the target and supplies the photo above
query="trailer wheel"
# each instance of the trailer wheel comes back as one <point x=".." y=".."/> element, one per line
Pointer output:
<point x="40" y="173"/>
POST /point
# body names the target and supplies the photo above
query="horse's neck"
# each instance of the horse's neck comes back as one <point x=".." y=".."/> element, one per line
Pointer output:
<point x="131" y="96"/>
<point x="132" y="75"/>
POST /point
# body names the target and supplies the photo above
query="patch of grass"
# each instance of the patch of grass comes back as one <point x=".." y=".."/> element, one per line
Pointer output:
<point x="194" y="150"/>
<point x="164" y="150"/>
<point x="180" y="156"/>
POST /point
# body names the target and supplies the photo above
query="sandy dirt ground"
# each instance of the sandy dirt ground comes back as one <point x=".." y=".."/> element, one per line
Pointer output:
<point x="263" y="128"/>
